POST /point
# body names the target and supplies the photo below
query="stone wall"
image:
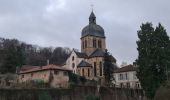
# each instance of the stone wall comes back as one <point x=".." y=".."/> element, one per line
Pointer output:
<point x="76" y="93"/>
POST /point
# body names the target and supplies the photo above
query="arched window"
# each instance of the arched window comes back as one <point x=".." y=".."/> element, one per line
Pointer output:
<point x="73" y="65"/>
<point x="73" y="58"/>
<point x="94" y="43"/>
<point x="88" y="72"/>
<point x="99" y="44"/>
<point x="101" y="69"/>
<point x="95" y="74"/>
<point x="85" y="43"/>
<point x="83" y="72"/>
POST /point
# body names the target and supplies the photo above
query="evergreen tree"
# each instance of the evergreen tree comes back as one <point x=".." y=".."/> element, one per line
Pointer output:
<point x="108" y="68"/>
<point x="153" y="57"/>
<point x="14" y="58"/>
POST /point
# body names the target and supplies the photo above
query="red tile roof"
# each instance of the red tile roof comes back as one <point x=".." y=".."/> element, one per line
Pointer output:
<point x="29" y="69"/>
<point x="126" y="69"/>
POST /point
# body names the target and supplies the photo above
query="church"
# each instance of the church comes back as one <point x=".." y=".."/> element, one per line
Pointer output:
<point x="89" y="62"/>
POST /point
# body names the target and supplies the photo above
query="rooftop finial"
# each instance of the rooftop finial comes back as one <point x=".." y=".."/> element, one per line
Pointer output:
<point x="92" y="7"/>
<point x="92" y="17"/>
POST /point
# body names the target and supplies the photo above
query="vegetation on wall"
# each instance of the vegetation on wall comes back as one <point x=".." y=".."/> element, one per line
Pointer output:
<point x="153" y="59"/>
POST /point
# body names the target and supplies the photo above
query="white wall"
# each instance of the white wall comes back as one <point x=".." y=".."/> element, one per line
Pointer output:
<point x="76" y="61"/>
<point x="131" y="78"/>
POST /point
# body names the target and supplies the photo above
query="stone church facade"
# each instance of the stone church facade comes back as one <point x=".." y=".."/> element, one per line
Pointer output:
<point x="89" y="62"/>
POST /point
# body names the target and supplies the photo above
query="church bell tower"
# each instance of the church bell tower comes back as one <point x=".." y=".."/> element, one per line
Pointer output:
<point x="92" y="36"/>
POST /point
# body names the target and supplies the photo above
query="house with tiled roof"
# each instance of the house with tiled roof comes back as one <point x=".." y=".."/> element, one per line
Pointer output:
<point x="125" y="77"/>
<point x="89" y="61"/>
<point x="55" y="75"/>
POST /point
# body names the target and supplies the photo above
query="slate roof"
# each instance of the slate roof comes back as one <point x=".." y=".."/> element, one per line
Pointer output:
<point x="92" y="15"/>
<point x="126" y="69"/>
<point x="93" y="29"/>
<point x="97" y="53"/>
<point x="81" y="55"/>
<point x="84" y="64"/>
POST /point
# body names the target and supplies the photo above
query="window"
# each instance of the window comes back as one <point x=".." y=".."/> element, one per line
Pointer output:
<point x="95" y="69"/>
<point x="32" y="74"/>
<point x="94" y="43"/>
<point x="22" y="76"/>
<point x="83" y="72"/>
<point x="88" y="72"/>
<point x="85" y="43"/>
<point x="128" y="85"/>
<point x="65" y="73"/>
<point x="126" y="76"/>
<point x="101" y="69"/>
<point x="99" y="44"/>
<point x="73" y="58"/>
<point x="56" y="72"/>
<point x="120" y="76"/>
<point x="73" y="65"/>
<point x="137" y="85"/>
<point x="121" y="85"/>
<point x="134" y="75"/>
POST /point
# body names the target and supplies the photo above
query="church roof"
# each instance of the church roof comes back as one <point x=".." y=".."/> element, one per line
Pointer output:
<point x="97" y="53"/>
<point x="93" y="29"/>
<point x="100" y="53"/>
<point x="81" y="55"/>
<point x="84" y="64"/>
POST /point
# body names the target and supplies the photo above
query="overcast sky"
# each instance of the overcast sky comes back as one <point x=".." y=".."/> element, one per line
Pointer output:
<point x="59" y="22"/>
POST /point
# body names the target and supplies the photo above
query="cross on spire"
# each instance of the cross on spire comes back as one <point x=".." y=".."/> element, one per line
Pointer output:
<point x="92" y="6"/>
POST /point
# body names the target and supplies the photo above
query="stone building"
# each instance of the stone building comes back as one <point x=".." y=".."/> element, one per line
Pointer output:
<point x="89" y="62"/>
<point x="55" y="75"/>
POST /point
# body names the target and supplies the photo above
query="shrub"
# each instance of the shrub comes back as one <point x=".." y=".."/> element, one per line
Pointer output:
<point x="83" y="79"/>
<point x="73" y="78"/>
